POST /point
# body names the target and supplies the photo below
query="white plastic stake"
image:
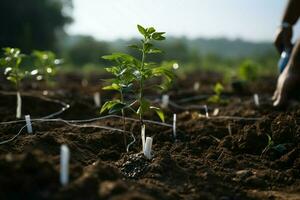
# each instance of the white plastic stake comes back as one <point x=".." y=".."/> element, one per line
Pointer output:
<point x="206" y="111"/>
<point x="196" y="86"/>
<point x="28" y="123"/>
<point x="216" y="111"/>
<point x="19" y="106"/>
<point x="143" y="136"/>
<point x="165" y="101"/>
<point x="229" y="129"/>
<point x="174" y="125"/>
<point x="148" y="148"/>
<point x="97" y="99"/>
<point x="256" y="99"/>
<point x="64" y="164"/>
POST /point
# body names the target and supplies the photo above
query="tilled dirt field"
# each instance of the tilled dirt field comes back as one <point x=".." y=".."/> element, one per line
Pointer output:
<point x="223" y="156"/>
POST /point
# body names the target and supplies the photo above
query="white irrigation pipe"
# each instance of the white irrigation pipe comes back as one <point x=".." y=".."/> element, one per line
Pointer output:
<point x="19" y="102"/>
<point x="14" y="137"/>
<point x="214" y="117"/>
<point x="69" y="122"/>
<point x="66" y="122"/>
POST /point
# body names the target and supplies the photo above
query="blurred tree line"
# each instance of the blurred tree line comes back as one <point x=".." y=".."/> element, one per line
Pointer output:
<point x="39" y="24"/>
<point x="33" y="24"/>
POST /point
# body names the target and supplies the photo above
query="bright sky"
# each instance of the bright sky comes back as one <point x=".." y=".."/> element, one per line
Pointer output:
<point x="254" y="20"/>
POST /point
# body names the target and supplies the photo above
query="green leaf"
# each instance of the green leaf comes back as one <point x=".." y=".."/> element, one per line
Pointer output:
<point x="113" y="86"/>
<point x="127" y="88"/>
<point x="144" y="106"/>
<point x="154" y="51"/>
<point x="134" y="46"/>
<point x="142" y="30"/>
<point x="218" y="88"/>
<point x="214" y="99"/>
<point x="158" y="36"/>
<point x="150" y="30"/>
<point x="159" y="112"/>
<point x="112" y="106"/>
<point x="117" y="107"/>
<point x="148" y="46"/>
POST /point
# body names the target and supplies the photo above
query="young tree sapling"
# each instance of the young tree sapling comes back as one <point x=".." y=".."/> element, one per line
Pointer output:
<point x="11" y="62"/>
<point x="46" y="65"/>
<point x="131" y="76"/>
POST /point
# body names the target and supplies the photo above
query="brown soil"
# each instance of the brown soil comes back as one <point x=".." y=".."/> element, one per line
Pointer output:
<point x="206" y="161"/>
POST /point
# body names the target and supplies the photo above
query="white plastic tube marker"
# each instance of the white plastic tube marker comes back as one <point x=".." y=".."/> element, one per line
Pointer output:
<point x="256" y="99"/>
<point x="143" y="136"/>
<point x="165" y="101"/>
<point x="174" y="125"/>
<point x="28" y="123"/>
<point x="206" y="111"/>
<point x="19" y="106"/>
<point x="196" y="86"/>
<point x="229" y="129"/>
<point x="216" y="111"/>
<point x="148" y="148"/>
<point x="64" y="164"/>
<point x="97" y="99"/>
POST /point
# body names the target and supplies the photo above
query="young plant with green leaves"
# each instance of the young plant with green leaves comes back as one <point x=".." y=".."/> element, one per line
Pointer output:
<point x="132" y="75"/>
<point x="216" y="98"/>
<point x="46" y="64"/>
<point x="248" y="70"/>
<point x="11" y="61"/>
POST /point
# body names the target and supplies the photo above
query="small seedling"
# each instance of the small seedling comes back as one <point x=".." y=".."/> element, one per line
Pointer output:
<point x="216" y="98"/>
<point x="46" y="65"/>
<point x="248" y="70"/>
<point x="11" y="61"/>
<point x="281" y="148"/>
<point x="269" y="145"/>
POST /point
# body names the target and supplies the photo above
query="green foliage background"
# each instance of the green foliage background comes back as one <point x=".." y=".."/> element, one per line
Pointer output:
<point x="40" y="25"/>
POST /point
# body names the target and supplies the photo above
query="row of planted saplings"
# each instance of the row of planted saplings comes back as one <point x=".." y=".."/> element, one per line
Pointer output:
<point x="44" y="65"/>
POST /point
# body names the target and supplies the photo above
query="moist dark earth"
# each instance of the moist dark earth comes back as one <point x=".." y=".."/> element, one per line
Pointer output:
<point x="242" y="152"/>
